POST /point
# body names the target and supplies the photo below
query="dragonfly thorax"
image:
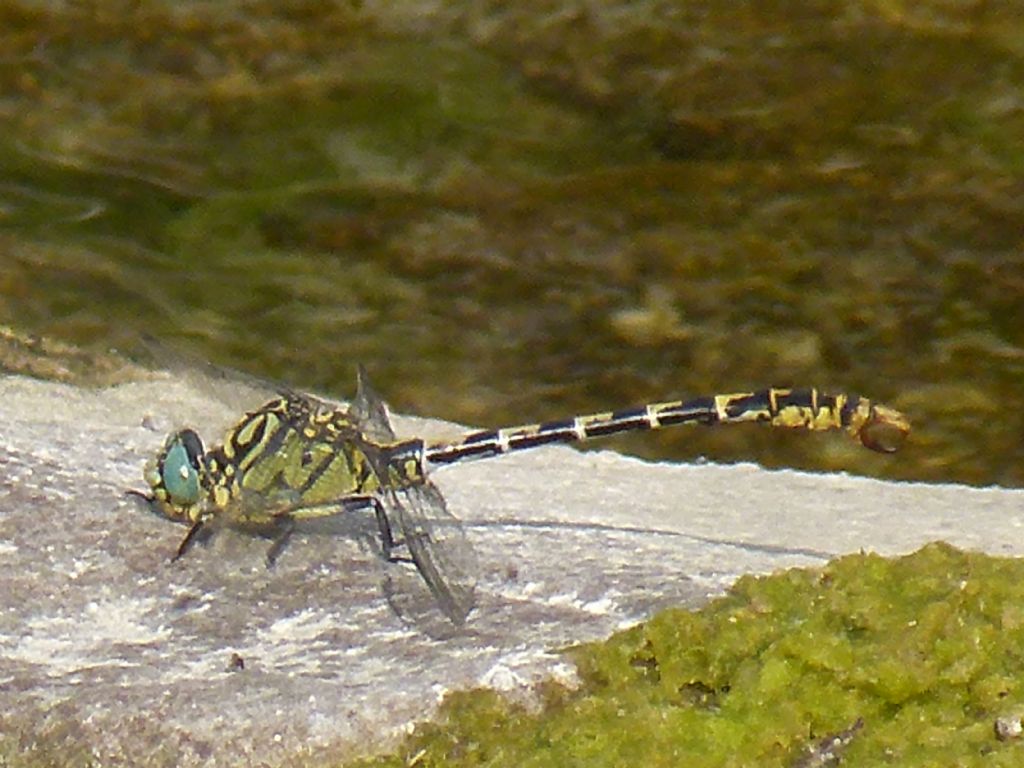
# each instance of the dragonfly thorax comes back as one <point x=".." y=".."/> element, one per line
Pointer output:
<point x="295" y="456"/>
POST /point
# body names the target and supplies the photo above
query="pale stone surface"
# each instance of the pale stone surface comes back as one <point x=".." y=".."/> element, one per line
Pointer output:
<point x="105" y="643"/>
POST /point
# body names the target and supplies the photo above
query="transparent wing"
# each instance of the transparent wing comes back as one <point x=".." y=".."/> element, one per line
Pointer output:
<point x="437" y="543"/>
<point x="244" y="391"/>
<point x="368" y="411"/>
<point x="236" y="389"/>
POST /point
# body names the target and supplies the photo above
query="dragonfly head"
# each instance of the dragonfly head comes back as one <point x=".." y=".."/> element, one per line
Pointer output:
<point x="174" y="477"/>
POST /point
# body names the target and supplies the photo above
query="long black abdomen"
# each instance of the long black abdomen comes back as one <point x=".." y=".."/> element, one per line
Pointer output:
<point x="793" y="408"/>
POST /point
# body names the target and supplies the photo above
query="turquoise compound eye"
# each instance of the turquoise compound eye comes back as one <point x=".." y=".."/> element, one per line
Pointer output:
<point x="179" y="470"/>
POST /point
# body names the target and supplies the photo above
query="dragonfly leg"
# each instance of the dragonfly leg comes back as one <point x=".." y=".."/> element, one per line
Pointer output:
<point x="388" y="543"/>
<point x="359" y="502"/>
<point x="387" y="538"/>
<point x="284" y="526"/>
<point x="132" y="493"/>
<point x="285" y="520"/>
<point x="197" y="531"/>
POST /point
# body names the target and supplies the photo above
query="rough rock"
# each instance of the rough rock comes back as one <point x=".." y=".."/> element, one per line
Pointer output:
<point x="107" y="646"/>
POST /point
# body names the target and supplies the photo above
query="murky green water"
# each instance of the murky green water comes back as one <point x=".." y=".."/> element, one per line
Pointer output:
<point x="517" y="214"/>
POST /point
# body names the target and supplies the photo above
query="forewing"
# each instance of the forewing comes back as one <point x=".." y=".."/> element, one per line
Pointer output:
<point x="241" y="391"/>
<point x="368" y="411"/>
<point x="437" y="543"/>
<point x="238" y="390"/>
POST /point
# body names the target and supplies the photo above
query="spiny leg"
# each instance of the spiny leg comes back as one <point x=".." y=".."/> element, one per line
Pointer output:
<point x="284" y="527"/>
<point x="146" y="497"/>
<point x="387" y="538"/>
<point x="344" y="505"/>
<point x="388" y="544"/>
<point x="358" y="503"/>
<point x="199" y="529"/>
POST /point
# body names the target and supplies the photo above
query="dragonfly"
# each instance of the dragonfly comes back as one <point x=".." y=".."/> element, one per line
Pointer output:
<point x="298" y="457"/>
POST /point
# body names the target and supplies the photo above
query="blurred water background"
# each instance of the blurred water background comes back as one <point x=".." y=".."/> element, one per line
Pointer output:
<point x="512" y="212"/>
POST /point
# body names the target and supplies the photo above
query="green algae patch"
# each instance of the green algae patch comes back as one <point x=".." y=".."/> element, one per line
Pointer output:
<point x="910" y="660"/>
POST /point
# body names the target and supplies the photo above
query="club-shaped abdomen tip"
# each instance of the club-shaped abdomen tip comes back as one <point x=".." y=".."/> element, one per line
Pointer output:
<point x="885" y="430"/>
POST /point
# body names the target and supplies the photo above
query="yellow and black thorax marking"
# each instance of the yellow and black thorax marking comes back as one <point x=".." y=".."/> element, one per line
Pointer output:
<point x="301" y="451"/>
<point x="292" y="453"/>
